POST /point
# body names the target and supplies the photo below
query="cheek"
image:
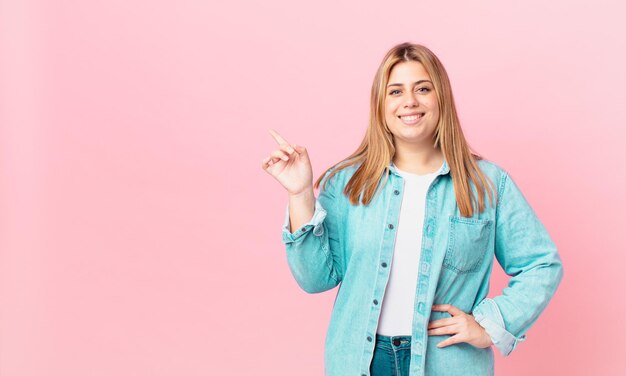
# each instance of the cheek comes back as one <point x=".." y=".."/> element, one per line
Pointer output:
<point x="433" y="104"/>
<point x="392" y="105"/>
<point x="430" y="104"/>
<point x="435" y="109"/>
<point x="390" y="110"/>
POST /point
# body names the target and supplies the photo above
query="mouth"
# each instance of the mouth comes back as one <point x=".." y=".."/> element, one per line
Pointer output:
<point x="411" y="119"/>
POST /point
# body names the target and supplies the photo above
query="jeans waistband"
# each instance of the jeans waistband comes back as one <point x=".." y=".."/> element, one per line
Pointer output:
<point x="394" y="341"/>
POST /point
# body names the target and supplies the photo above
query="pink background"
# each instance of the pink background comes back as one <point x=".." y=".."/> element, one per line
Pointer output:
<point x="140" y="236"/>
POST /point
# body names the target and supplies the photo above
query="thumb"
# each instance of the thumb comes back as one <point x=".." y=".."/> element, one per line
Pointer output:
<point x="300" y="149"/>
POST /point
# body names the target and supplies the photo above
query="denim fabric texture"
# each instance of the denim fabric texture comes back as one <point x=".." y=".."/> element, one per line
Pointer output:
<point x="352" y="246"/>
<point x="392" y="356"/>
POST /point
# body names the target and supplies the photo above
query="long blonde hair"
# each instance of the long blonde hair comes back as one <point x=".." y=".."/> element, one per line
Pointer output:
<point x="377" y="148"/>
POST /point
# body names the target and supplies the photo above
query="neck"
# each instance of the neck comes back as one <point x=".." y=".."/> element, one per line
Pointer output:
<point x="419" y="161"/>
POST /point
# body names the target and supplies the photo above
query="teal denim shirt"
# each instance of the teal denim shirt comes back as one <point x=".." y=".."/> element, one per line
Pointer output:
<point x="352" y="246"/>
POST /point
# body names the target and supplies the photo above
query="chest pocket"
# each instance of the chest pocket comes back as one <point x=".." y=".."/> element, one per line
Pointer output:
<point x="468" y="240"/>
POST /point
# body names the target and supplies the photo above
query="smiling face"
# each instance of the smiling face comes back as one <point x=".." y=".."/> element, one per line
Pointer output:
<point x="411" y="107"/>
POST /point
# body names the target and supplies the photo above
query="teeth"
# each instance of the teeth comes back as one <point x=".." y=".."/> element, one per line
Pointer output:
<point x="412" y="117"/>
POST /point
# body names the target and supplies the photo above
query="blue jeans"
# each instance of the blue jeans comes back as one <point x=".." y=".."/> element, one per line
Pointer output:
<point x="392" y="356"/>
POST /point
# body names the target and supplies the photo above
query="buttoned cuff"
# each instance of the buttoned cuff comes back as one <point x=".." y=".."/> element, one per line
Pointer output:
<point x="488" y="315"/>
<point x="315" y="223"/>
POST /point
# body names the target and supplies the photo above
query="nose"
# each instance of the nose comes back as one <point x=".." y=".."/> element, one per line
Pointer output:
<point x="410" y="100"/>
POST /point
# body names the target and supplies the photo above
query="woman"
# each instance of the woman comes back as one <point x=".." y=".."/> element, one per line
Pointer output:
<point x="408" y="225"/>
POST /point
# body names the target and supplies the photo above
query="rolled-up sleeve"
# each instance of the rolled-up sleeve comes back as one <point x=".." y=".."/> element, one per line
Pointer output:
<point x="489" y="317"/>
<point x="529" y="256"/>
<point x="315" y="223"/>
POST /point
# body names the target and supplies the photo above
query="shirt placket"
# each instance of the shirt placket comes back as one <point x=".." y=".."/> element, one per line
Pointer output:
<point x="384" y="265"/>
<point x="420" y="319"/>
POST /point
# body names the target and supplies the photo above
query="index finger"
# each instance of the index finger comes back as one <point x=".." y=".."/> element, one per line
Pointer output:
<point x="447" y="308"/>
<point x="278" y="137"/>
<point x="441" y="322"/>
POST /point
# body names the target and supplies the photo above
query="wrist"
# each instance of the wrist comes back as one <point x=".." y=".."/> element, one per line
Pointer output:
<point x="305" y="193"/>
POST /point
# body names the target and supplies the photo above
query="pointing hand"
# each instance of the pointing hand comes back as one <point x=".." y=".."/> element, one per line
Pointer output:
<point x="290" y="165"/>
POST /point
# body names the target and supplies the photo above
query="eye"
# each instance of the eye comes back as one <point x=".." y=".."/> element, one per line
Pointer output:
<point x="423" y="90"/>
<point x="393" y="91"/>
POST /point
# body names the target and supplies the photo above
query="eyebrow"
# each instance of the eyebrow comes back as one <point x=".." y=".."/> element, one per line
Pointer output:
<point x="415" y="83"/>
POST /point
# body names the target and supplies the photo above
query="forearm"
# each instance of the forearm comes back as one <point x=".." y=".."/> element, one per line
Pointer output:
<point x="312" y="236"/>
<point x="301" y="209"/>
<point x="313" y="249"/>
<point x="528" y="294"/>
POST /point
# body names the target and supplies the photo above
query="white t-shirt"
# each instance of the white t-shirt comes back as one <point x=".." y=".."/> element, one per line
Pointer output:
<point x="398" y="304"/>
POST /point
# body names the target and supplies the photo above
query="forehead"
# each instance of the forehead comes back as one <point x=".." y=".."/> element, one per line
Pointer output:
<point x="408" y="71"/>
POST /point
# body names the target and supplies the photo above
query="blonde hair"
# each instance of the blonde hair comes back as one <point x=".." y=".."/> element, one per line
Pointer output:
<point x="377" y="148"/>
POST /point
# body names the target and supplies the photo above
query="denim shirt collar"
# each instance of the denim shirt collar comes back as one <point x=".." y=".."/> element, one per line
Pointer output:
<point x="442" y="171"/>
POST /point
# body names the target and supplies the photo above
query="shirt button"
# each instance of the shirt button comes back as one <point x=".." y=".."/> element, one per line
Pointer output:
<point x="375" y="302"/>
<point x="390" y="226"/>
<point x="396" y="192"/>
<point x="420" y="308"/>
<point x="369" y="339"/>
<point x="318" y="230"/>
<point x="384" y="264"/>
